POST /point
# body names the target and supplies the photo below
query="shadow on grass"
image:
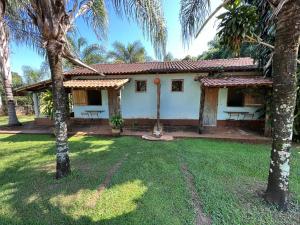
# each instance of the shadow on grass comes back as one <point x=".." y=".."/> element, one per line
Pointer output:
<point x="30" y="195"/>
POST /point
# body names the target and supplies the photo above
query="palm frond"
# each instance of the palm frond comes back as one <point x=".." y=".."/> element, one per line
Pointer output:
<point x="133" y="52"/>
<point x="95" y="15"/>
<point x="22" y="30"/>
<point x="148" y="14"/>
<point x="193" y="14"/>
<point x="93" y="49"/>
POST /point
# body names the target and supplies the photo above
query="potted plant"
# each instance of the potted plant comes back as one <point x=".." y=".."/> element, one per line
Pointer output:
<point x="116" y="123"/>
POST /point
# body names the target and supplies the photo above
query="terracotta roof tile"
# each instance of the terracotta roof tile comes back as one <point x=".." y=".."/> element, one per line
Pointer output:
<point x="235" y="81"/>
<point x="234" y="64"/>
<point x="115" y="83"/>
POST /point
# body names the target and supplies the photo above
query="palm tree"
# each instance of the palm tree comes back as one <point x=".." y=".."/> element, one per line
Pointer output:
<point x="5" y="71"/>
<point x="133" y="52"/>
<point x="88" y="53"/>
<point x="52" y="20"/>
<point x="193" y="17"/>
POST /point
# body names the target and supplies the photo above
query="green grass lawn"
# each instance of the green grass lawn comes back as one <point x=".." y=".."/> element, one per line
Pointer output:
<point x="148" y="188"/>
<point x="22" y="119"/>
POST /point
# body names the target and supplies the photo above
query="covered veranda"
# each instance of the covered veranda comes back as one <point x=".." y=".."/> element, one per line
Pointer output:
<point x="245" y="97"/>
<point x="77" y="92"/>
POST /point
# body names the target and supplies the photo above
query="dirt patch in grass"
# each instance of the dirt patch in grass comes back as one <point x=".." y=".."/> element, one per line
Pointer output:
<point x="93" y="200"/>
<point x="201" y="218"/>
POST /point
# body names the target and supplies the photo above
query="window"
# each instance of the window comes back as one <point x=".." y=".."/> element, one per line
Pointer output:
<point x="94" y="97"/>
<point x="177" y="85"/>
<point x="235" y="97"/>
<point x="140" y="86"/>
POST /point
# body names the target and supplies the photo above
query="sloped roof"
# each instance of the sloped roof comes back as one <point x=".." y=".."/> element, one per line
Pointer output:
<point x="42" y="85"/>
<point x="105" y="83"/>
<point x="233" y="64"/>
<point x="235" y="81"/>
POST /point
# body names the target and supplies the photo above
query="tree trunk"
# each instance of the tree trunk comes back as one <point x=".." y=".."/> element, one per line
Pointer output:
<point x="268" y="125"/>
<point x="60" y="115"/>
<point x="284" y="101"/>
<point x="5" y="70"/>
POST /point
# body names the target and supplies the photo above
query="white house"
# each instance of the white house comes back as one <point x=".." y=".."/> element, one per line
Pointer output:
<point x="223" y="92"/>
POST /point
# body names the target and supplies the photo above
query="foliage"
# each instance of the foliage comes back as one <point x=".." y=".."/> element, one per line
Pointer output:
<point x="189" y="58"/>
<point x="193" y="14"/>
<point x="218" y="51"/>
<point x="87" y="53"/>
<point x="147" y="14"/>
<point x="33" y="76"/>
<point x="227" y="175"/>
<point x="17" y="80"/>
<point x="116" y="122"/>
<point x="133" y="52"/>
<point x="168" y="57"/>
<point x="238" y="22"/>
<point x="47" y="105"/>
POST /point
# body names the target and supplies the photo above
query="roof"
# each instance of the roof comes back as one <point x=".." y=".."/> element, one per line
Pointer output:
<point x="105" y="83"/>
<point x="33" y="87"/>
<point x="236" y="81"/>
<point x="233" y="64"/>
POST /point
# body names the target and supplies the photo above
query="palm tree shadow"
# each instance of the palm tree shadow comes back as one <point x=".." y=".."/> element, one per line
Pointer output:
<point x="35" y="197"/>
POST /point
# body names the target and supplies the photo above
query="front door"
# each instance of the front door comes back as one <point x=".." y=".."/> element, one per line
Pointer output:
<point x="210" y="107"/>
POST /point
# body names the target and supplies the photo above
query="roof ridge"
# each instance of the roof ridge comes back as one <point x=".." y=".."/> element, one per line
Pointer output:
<point x="173" y="61"/>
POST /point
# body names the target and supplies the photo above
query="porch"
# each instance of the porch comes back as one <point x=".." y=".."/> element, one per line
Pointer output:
<point x="101" y="127"/>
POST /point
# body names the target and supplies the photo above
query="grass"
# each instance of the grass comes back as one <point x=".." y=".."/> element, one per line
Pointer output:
<point x="22" y="119"/>
<point x="147" y="189"/>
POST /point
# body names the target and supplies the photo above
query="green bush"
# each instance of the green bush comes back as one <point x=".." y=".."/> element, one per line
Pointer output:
<point x="116" y="122"/>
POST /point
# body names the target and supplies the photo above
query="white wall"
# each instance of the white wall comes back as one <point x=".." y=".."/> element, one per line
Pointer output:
<point x="79" y="109"/>
<point x="222" y="106"/>
<point x="174" y="105"/>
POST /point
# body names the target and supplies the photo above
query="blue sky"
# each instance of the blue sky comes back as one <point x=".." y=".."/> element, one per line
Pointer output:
<point x="124" y="31"/>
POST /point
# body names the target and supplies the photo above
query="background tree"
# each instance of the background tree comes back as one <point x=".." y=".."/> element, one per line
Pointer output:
<point x="132" y="53"/>
<point x="87" y="53"/>
<point x="240" y="23"/>
<point x="216" y="50"/>
<point x="5" y="71"/>
<point x="169" y="57"/>
<point x="189" y="58"/>
<point x="52" y="20"/>
<point x="17" y="82"/>
<point x="32" y="76"/>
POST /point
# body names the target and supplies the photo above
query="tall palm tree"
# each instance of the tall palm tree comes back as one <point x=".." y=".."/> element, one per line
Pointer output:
<point x="133" y="52"/>
<point x="193" y="17"/>
<point x="52" y="20"/>
<point x="5" y="71"/>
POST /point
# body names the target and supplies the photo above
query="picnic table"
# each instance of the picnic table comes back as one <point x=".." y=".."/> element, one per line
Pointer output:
<point x="237" y="114"/>
<point x="92" y="113"/>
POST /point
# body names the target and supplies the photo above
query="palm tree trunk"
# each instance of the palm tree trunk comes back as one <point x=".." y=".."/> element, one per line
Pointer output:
<point x="5" y="69"/>
<point x="60" y="113"/>
<point x="284" y="101"/>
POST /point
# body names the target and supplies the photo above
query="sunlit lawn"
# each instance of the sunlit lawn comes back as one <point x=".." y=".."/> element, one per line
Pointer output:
<point x="147" y="189"/>
<point x="22" y="119"/>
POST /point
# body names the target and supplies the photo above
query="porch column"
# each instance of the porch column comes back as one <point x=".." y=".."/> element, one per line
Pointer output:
<point x="36" y="104"/>
<point x="114" y="102"/>
<point x="202" y="100"/>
